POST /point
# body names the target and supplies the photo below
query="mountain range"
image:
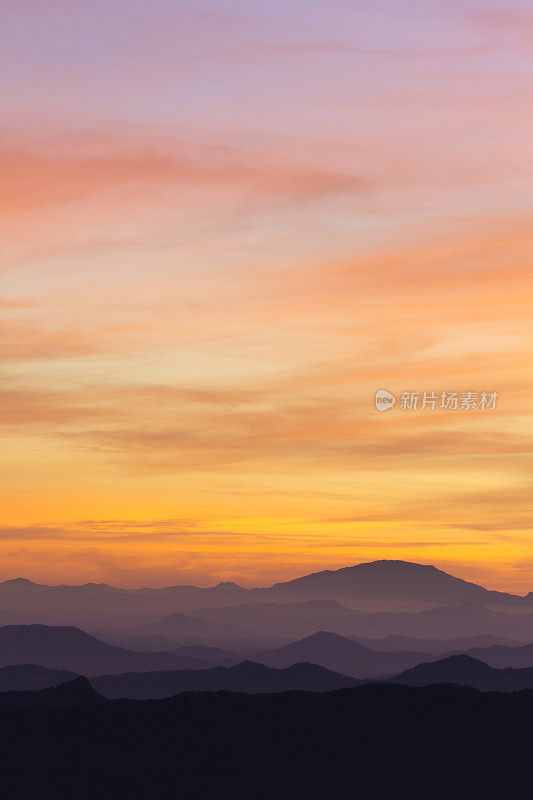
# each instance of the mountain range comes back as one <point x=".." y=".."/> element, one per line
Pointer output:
<point x="340" y="654"/>
<point x="393" y="643"/>
<point x="74" y="693"/>
<point x="463" y="670"/>
<point x="343" y="655"/>
<point x="72" y="649"/>
<point x="500" y="656"/>
<point x="373" y="586"/>
<point x="296" y="620"/>
<point x="246" y="677"/>
<point x="69" y="648"/>
<point x="253" y="678"/>
<point x="25" y="677"/>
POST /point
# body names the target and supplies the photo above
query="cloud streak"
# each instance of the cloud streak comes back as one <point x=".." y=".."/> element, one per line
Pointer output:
<point x="223" y="230"/>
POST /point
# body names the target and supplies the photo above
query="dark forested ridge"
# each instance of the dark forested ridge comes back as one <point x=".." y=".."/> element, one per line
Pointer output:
<point x="76" y="692"/>
<point x="376" y="742"/>
<point x="245" y="677"/>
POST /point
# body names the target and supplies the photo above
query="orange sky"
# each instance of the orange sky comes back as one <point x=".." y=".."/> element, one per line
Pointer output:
<point x="222" y="232"/>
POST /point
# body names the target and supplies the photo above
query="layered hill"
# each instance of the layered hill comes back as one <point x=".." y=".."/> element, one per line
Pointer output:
<point x="373" y="586"/>
<point x="395" y="581"/>
<point x="464" y="670"/>
<point x="393" y="643"/>
<point x="77" y="692"/>
<point x="72" y="649"/>
<point x="300" y="619"/>
<point x="31" y="677"/>
<point x="503" y="656"/>
<point x="246" y="677"/>
<point x="339" y="654"/>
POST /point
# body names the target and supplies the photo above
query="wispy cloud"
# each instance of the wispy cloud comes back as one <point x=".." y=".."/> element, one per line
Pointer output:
<point x="223" y="230"/>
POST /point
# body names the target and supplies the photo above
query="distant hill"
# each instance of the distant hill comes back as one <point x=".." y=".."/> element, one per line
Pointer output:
<point x="246" y="677"/>
<point x="339" y="654"/>
<point x="378" y="742"/>
<point x="397" y="580"/>
<point x="77" y="692"/>
<point x="92" y="605"/>
<point x="178" y="625"/>
<point x="217" y="655"/>
<point x="374" y="586"/>
<point x="301" y="619"/>
<point x="392" y="643"/>
<point x="253" y="678"/>
<point x="447" y="621"/>
<point x="73" y="649"/>
<point x="26" y="677"/>
<point x="289" y="620"/>
<point x="248" y="614"/>
<point x="141" y="644"/>
<point x="20" y="586"/>
<point x="500" y="656"/>
<point x="464" y="670"/>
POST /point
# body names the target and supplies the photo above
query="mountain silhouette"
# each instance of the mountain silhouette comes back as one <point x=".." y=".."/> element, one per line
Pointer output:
<point x="248" y="614"/>
<point x="73" y="649"/>
<point x="143" y="644"/>
<point x="373" y="586"/>
<point x="254" y="678"/>
<point x="178" y="625"/>
<point x="501" y="656"/>
<point x="464" y="670"/>
<point x="446" y="621"/>
<point x="246" y="677"/>
<point x="77" y="692"/>
<point x="398" y="580"/>
<point x="301" y="619"/>
<point x="18" y="585"/>
<point x="26" y="677"/>
<point x="393" y="643"/>
<point x="377" y="742"/>
<point x="339" y="654"/>
<point x="217" y="655"/>
<point x="288" y="620"/>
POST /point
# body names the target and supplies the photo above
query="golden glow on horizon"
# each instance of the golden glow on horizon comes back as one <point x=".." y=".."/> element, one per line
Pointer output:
<point x="200" y="301"/>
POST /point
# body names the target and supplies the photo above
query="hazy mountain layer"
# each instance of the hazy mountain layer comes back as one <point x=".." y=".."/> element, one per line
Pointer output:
<point x="374" y="586"/>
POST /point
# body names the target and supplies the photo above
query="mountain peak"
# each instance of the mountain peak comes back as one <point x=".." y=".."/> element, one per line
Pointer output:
<point x="249" y="666"/>
<point x="459" y="669"/>
<point x="385" y="579"/>
<point x="324" y="636"/>
<point x="227" y="586"/>
<point x="19" y="585"/>
<point x="75" y="692"/>
<point x="396" y="564"/>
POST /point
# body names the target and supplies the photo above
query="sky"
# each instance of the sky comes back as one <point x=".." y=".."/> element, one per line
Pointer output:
<point x="225" y="226"/>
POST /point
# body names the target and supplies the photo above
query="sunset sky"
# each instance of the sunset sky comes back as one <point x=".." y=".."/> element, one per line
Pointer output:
<point x="225" y="225"/>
